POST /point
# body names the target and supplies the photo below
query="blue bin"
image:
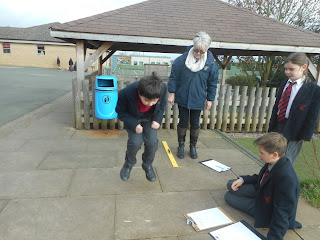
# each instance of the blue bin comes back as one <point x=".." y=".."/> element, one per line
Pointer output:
<point x="106" y="97"/>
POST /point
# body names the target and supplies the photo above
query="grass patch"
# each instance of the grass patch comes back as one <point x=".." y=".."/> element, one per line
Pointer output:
<point x="311" y="192"/>
<point x="310" y="188"/>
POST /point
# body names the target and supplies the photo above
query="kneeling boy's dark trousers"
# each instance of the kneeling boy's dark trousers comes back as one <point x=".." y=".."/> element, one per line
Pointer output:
<point x="243" y="199"/>
<point x="149" y="137"/>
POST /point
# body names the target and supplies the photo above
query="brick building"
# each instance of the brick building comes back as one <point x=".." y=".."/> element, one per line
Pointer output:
<point x="34" y="47"/>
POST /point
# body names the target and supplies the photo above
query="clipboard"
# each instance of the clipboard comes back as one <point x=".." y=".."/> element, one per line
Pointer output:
<point x="248" y="232"/>
<point x="215" y="165"/>
<point x="208" y="218"/>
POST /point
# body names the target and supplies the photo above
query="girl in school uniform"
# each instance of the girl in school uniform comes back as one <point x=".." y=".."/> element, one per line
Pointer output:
<point x="296" y="110"/>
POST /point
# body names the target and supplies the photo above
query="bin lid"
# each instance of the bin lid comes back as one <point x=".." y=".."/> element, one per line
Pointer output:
<point x="106" y="82"/>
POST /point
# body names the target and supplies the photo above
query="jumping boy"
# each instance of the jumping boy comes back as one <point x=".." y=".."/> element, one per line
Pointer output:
<point x="272" y="196"/>
<point x="140" y="106"/>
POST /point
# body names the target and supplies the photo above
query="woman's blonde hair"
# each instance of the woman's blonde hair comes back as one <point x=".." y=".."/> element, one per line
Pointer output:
<point x="202" y="40"/>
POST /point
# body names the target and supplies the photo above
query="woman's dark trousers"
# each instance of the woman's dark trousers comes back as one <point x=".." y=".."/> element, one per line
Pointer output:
<point x="184" y="115"/>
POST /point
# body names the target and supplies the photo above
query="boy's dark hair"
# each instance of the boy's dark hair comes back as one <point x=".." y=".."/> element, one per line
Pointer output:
<point x="150" y="86"/>
<point x="272" y="142"/>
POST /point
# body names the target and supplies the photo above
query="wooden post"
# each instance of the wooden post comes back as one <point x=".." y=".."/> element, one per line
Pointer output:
<point x="272" y="99"/>
<point x="226" y="109"/>
<point x="242" y="105"/>
<point x="256" y="110"/>
<point x="263" y="111"/>
<point x="175" y="116"/>
<point x="249" y="109"/>
<point x="120" y="123"/>
<point x="213" y="112"/>
<point x="234" y="108"/>
<point x="167" y="114"/>
<point x="78" y="83"/>
<point x="205" y="118"/>
<point x="95" y="121"/>
<point x="318" y="125"/>
<point x="220" y="106"/>
<point x="86" y="104"/>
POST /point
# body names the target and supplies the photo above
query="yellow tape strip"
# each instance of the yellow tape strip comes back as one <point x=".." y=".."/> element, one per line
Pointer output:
<point x="171" y="157"/>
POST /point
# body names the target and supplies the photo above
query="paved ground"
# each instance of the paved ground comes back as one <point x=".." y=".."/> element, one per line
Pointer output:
<point x="24" y="89"/>
<point x="57" y="183"/>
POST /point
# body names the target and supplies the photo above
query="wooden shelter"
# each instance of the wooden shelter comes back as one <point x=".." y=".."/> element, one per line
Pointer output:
<point x="168" y="26"/>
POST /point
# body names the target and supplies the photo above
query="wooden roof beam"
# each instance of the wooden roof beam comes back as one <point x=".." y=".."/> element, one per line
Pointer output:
<point x="103" y="48"/>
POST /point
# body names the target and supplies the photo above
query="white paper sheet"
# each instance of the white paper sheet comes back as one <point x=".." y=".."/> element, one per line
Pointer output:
<point x="234" y="231"/>
<point x="209" y="218"/>
<point x="219" y="167"/>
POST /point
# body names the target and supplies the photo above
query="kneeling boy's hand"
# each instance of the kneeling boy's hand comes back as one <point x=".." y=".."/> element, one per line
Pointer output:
<point x="155" y="125"/>
<point x="139" y="129"/>
<point x="236" y="184"/>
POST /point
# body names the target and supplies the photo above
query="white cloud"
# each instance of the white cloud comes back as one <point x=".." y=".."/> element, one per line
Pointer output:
<point x="22" y="13"/>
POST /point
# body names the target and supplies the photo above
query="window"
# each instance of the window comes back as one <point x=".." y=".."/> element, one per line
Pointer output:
<point x="165" y="63"/>
<point x="41" y="50"/>
<point x="141" y="63"/>
<point x="6" y="48"/>
<point x="135" y="63"/>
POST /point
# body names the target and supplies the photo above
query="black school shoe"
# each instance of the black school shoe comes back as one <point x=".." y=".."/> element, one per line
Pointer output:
<point x="150" y="174"/>
<point x="125" y="172"/>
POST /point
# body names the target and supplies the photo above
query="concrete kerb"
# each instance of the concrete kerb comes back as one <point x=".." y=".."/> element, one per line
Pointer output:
<point x="27" y="119"/>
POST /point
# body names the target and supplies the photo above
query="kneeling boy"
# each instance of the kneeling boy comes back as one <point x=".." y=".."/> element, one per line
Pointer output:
<point x="272" y="196"/>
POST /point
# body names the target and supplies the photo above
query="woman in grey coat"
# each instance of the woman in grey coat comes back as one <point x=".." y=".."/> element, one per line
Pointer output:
<point x="192" y="85"/>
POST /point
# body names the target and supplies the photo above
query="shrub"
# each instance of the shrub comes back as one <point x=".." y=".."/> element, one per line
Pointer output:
<point x="241" y="80"/>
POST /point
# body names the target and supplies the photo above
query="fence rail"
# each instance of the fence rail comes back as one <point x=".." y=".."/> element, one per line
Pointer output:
<point x="235" y="109"/>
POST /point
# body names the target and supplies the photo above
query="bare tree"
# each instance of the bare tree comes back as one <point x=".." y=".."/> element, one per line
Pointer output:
<point x="300" y="13"/>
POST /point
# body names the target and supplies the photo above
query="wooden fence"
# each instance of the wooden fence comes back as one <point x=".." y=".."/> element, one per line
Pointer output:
<point x="235" y="109"/>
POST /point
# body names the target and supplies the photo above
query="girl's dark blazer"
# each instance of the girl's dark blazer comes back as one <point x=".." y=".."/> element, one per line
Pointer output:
<point x="127" y="106"/>
<point x="304" y="112"/>
<point x="277" y="198"/>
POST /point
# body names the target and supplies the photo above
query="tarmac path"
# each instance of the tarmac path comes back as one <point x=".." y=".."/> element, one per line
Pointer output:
<point x="24" y="89"/>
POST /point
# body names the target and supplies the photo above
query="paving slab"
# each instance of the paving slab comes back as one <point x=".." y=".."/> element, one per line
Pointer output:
<point x="217" y="143"/>
<point x="304" y="212"/>
<point x="73" y="160"/>
<point x="35" y="184"/>
<point x="192" y="178"/>
<point x="11" y="145"/>
<point x="309" y="232"/>
<point x="3" y="203"/>
<point x="100" y="181"/>
<point x="59" y="218"/>
<point x="40" y="131"/>
<point x="199" y="236"/>
<point x="20" y="161"/>
<point x="54" y="145"/>
<point x="158" y="215"/>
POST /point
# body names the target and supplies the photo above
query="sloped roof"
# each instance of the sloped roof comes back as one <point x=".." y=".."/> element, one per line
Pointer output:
<point x="35" y="33"/>
<point x="175" y="22"/>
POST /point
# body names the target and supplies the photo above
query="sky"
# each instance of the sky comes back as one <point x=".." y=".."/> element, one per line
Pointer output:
<point x="27" y="13"/>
